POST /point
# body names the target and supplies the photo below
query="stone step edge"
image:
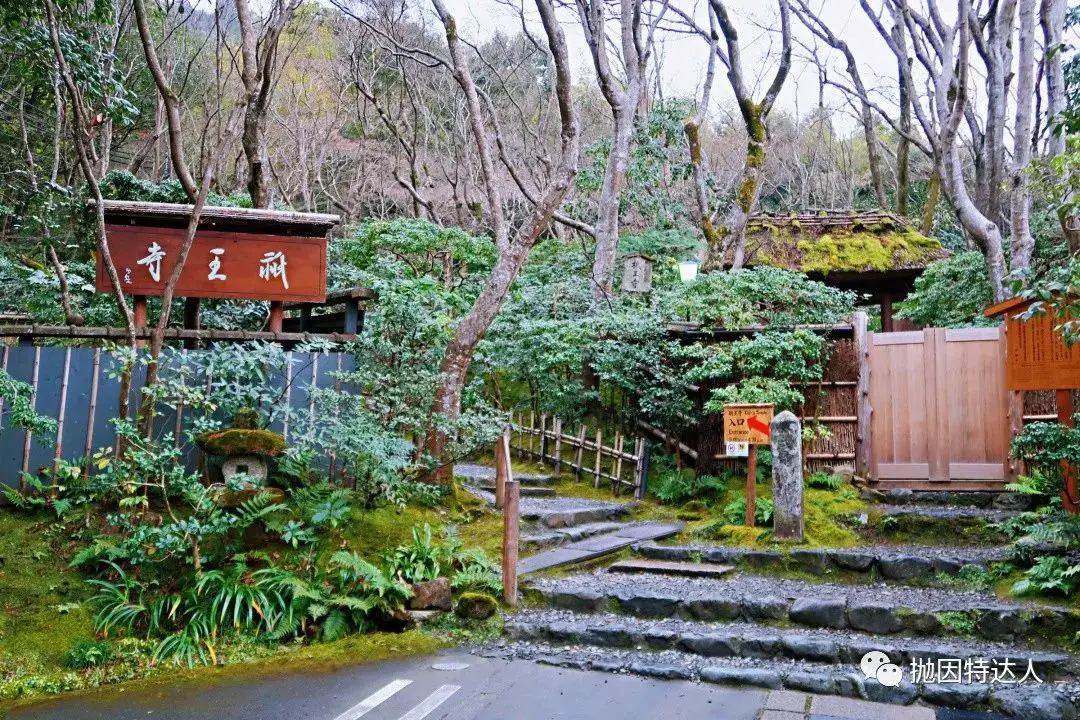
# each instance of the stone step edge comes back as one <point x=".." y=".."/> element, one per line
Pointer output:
<point x="853" y="684"/>
<point x="890" y="565"/>
<point x="580" y="516"/>
<point x="717" y="642"/>
<point x="556" y="537"/>
<point x="999" y="623"/>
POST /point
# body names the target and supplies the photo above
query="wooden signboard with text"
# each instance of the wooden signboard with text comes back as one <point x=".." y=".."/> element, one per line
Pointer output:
<point x="220" y="264"/>
<point x="748" y="425"/>
<point x="1036" y="356"/>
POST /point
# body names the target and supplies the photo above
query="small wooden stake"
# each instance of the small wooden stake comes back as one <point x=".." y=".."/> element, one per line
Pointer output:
<point x="580" y="452"/>
<point x="510" y="542"/>
<point x="558" y="444"/>
<point x="599" y="452"/>
<point x="502" y="468"/>
<point x="751" y="485"/>
<point x="1069" y="494"/>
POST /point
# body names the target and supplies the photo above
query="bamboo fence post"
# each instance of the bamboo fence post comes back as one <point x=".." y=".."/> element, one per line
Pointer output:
<point x="510" y="542"/>
<point x="616" y="462"/>
<point x="578" y="456"/>
<point x="558" y="443"/>
<point x="596" y="463"/>
<point x="26" y="433"/>
<point x="532" y="425"/>
<point x="59" y="446"/>
<point x="543" y="437"/>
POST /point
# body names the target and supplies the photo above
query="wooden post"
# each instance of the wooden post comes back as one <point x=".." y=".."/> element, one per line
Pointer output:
<point x="557" y="424"/>
<point x="580" y="452"/>
<point x="277" y="316"/>
<point x="138" y="310"/>
<point x="1069" y="495"/>
<point x="886" y="313"/>
<point x="751" y="485"/>
<point x="532" y="425"/>
<point x="596" y="464"/>
<point x="510" y="542"/>
<point x="862" y="396"/>
<point x="543" y="437"/>
<point x="191" y="318"/>
<point x="502" y="468"/>
<point x="59" y="445"/>
<point x="616" y="466"/>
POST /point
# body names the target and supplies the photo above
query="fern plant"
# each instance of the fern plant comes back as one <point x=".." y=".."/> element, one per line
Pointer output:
<point x="1049" y="574"/>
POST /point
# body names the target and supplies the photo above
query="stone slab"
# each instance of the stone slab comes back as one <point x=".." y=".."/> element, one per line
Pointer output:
<point x="667" y="567"/>
<point x="786" y="700"/>
<point x="834" y="706"/>
<point x="594" y="547"/>
<point x="647" y="531"/>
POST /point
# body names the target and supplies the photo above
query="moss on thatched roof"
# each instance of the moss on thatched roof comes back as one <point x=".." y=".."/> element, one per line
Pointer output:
<point x="838" y="241"/>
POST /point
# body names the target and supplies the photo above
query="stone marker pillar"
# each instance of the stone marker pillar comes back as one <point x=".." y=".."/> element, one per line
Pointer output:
<point x="787" y="479"/>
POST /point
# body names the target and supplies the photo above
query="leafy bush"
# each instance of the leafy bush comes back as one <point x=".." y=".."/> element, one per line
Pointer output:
<point x="677" y="486"/>
<point x="824" y="481"/>
<point x="419" y="561"/>
<point x="1049" y="574"/>
<point x="477" y="578"/>
<point x="88" y="653"/>
<point x="735" y="512"/>
<point x="950" y="293"/>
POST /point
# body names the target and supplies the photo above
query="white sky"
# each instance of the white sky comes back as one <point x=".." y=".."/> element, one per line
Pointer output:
<point x="683" y="58"/>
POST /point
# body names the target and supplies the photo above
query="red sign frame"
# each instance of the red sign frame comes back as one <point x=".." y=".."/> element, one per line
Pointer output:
<point x="234" y="265"/>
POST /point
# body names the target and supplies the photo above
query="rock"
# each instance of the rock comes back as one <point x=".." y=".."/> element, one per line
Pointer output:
<point x="720" y="555"/>
<point x="846" y="473"/>
<point x="658" y="639"/>
<point x="850" y="685"/>
<point x="766" y="607"/>
<point x="787" y="478"/>
<point x="517" y="631"/>
<point x="662" y="552"/>
<point x="812" y="561"/>
<point x="431" y="595"/>
<point x="614" y="637"/>
<point x="1028" y="701"/>
<point x="851" y="653"/>
<point x="947" y="566"/>
<point x="818" y="612"/>
<point x="709" y="609"/>
<point x="877" y="618"/>
<point x="899" y="496"/>
<point x="647" y="604"/>
<point x="872" y="495"/>
<point x="924" y="623"/>
<point x="561" y="661"/>
<point x="808" y="648"/>
<point x="1012" y="501"/>
<point x="955" y="695"/>
<point x="851" y="560"/>
<point x="712" y="645"/>
<point x="612" y="666"/>
<point x="664" y="672"/>
<point x="905" y="567"/>
<point x="762" y="646"/>
<point x="760" y="558"/>
<point x="422" y="616"/>
<point x="742" y="676"/>
<point x="568" y="632"/>
<point x="476" y="606"/>
<point x="1001" y="624"/>
<point x="583" y="601"/>
<point x="903" y="694"/>
<point x="821" y="683"/>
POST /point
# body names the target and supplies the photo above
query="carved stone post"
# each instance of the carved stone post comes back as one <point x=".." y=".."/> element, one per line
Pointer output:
<point x="787" y="477"/>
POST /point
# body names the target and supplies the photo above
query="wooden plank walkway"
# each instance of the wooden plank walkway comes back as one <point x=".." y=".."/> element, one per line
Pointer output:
<point x="597" y="546"/>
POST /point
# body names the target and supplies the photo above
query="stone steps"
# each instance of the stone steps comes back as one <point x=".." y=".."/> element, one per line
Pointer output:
<point x="1029" y="701"/>
<point x="904" y="564"/>
<point x="974" y="499"/>
<point x="877" y="609"/>
<point x="543" y="537"/>
<point x="938" y="513"/>
<point x="746" y="640"/>
<point x="526" y="490"/>
<point x="484" y="476"/>
<point x="670" y="567"/>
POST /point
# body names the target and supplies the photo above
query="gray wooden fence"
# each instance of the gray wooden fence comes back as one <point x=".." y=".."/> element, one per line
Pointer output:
<point x="75" y="385"/>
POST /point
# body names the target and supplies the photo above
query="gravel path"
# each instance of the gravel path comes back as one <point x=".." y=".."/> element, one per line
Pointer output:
<point x="916" y="598"/>
<point x="972" y="553"/>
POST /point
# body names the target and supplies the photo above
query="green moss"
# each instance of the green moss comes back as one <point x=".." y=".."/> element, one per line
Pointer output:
<point x="960" y="623"/>
<point x="240" y="441"/>
<point x="476" y="606"/>
<point x="693" y="139"/>
<point x="870" y="249"/>
<point x="246" y="419"/>
<point x="751" y="113"/>
<point x="755" y="155"/>
<point x="747" y="189"/>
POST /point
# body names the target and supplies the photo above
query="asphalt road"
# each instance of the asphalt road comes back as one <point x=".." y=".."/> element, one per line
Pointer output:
<point x="412" y="690"/>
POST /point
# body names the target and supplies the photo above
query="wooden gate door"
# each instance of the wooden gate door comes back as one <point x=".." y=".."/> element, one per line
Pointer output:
<point x="939" y="408"/>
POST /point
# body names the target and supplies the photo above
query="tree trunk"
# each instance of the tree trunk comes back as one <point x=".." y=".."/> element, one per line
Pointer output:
<point x="1023" y="244"/>
<point x="607" y="222"/>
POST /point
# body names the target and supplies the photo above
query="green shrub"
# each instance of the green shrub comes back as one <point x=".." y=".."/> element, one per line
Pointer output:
<point x="678" y="486"/>
<point x="88" y="653"/>
<point x="824" y="481"/>
<point x="1049" y="574"/>
<point x="735" y="512"/>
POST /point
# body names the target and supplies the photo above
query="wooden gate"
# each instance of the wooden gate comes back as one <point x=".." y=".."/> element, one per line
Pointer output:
<point x="939" y="408"/>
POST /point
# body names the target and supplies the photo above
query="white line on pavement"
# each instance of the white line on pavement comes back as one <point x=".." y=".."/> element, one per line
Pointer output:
<point x="373" y="700"/>
<point x="431" y="702"/>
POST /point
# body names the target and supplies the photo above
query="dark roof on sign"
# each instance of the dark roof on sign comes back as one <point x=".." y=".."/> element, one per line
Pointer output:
<point x="831" y="242"/>
<point x="155" y="214"/>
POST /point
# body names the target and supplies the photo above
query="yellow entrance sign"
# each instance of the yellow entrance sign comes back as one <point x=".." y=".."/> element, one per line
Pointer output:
<point x="747" y="424"/>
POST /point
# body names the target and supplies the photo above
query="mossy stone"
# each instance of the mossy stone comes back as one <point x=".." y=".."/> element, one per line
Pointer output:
<point x="241" y="441"/>
<point x="476" y="606"/>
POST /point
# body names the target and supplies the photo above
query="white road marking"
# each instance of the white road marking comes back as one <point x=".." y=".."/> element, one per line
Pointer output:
<point x="374" y="700"/>
<point x="431" y="702"/>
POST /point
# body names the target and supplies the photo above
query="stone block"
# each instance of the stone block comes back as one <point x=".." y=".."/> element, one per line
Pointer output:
<point x="818" y="612"/>
<point x="787" y="478"/>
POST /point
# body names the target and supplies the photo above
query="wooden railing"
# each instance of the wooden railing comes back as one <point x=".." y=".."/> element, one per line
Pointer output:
<point x="547" y="443"/>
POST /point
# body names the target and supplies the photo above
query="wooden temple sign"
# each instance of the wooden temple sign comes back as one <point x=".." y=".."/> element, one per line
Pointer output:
<point x="237" y="253"/>
<point x="1036" y="355"/>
